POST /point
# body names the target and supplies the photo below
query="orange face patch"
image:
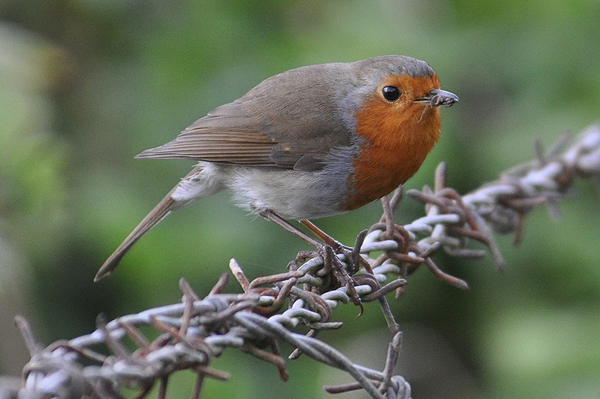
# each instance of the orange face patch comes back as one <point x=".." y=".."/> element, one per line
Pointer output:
<point x="397" y="135"/>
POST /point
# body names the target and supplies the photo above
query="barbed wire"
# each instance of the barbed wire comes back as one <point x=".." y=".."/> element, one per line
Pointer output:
<point x="193" y="332"/>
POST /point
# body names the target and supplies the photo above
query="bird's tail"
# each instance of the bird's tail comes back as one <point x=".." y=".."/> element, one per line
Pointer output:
<point x="160" y="211"/>
<point x="188" y="190"/>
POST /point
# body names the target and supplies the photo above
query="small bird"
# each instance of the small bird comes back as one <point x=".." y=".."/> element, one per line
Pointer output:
<point x="310" y="142"/>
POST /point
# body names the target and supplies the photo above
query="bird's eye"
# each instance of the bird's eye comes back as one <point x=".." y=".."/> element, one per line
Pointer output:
<point x="391" y="93"/>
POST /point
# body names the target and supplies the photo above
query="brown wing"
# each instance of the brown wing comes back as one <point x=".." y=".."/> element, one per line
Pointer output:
<point x="290" y="120"/>
<point x="224" y="135"/>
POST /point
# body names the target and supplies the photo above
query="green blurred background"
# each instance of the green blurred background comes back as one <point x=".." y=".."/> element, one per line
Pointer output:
<point x="87" y="84"/>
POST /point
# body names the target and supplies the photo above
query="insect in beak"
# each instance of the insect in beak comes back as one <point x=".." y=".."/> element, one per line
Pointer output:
<point x="437" y="97"/>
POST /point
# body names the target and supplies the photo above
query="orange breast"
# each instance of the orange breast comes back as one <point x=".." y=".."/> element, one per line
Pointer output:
<point x="397" y="138"/>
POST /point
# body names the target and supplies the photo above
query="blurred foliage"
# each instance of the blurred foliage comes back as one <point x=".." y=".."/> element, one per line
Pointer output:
<point x="87" y="84"/>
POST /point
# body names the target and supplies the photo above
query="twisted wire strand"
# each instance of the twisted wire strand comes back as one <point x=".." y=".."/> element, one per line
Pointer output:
<point x="196" y="330"/>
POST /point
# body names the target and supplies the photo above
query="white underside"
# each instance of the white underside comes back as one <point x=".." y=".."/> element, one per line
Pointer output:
<point x="291" y="194"/>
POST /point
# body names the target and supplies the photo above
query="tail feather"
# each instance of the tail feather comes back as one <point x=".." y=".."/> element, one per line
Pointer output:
<point x="160" y="211"/>
<point x="189" y="189"/>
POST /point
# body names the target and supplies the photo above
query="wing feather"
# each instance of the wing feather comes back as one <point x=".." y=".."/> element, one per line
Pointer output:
<point x="224" y="135"/>
<point x="278" y="123"/>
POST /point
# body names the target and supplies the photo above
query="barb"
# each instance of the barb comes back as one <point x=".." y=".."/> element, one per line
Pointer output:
<point x="193" y="332"/>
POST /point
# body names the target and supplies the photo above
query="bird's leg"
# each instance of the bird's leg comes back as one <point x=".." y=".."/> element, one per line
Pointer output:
<point x="327" y="250"/>
<point x="326" y="238"/>
<point x="278" y="220"/>
<point x="332" y="247"/>
<point x="352" y="254"/>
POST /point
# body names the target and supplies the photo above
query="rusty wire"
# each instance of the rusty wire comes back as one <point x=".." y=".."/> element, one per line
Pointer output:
<point x="196" y="330"/>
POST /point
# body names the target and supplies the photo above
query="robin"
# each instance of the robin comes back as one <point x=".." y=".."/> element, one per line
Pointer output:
<point x="310" y="142"/>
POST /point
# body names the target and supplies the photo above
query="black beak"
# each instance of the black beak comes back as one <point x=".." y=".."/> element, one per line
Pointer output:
<point x="437" y="97"/>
